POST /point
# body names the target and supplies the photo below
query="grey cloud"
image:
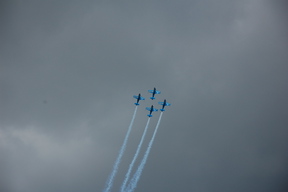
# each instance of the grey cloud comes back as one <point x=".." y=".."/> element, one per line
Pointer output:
<point x="69" y="70"/>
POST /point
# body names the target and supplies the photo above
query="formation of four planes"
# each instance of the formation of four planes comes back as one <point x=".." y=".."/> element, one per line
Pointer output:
<point x="151" y="109"/>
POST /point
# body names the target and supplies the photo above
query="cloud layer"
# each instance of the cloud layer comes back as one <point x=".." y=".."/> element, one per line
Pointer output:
<point x="69" y="70"/>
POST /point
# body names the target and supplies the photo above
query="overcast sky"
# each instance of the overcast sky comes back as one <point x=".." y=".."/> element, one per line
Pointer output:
<point x="69" y="69"/>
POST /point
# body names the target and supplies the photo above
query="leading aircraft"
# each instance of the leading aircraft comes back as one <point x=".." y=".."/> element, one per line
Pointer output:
<point x="138" y="98"/>
<point x="154" y="91"/>
<point x="151" y="109"/>
<point x="164" y="104"/>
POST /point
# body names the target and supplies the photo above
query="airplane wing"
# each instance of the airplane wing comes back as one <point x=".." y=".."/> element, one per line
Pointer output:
<point x="148" y="108"/>
<point x="142" y="98"/>
<point x="135" y="96"/>
<point x="158" y="92"/>
<point x="150" y="91"/>
<point x="162" y="103"/>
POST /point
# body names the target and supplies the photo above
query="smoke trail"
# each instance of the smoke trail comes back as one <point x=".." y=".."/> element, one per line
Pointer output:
<point x="134" y="158"/>
<point x="136" y="176"/>
<point x="110" y="180"/>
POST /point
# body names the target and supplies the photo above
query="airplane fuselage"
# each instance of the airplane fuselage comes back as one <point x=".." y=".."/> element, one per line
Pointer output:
<point x="151" y="110"/>
<point x="164" y="104"/>
<point x="154" y="92"/>
<point x="139" y="96"/>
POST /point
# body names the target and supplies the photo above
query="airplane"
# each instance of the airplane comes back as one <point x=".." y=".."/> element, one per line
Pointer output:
<point x="154" y="91"/>
<point x="164" y="104"/>
<point x="138" y="98"/>
<point x="151" y="109"/>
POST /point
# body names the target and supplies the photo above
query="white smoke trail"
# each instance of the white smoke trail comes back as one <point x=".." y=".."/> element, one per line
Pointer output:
<point x="110" y="180"/>
<point x="134" y="158"/>
<point x="133" y="183"/>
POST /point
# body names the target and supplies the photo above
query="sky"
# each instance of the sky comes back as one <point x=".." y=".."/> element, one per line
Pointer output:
<point x="69" y="70"/>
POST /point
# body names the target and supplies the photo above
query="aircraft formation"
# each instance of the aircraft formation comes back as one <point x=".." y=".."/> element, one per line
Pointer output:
<point x="130" y="182"/>
<point x="151" y="109"/>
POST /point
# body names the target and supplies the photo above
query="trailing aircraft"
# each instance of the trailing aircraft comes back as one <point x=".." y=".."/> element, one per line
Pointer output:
<point x="151" y="109"/>
<point x="154" y="91"/>
<point x="164" y="104"/>
<point x="138" y="98"/>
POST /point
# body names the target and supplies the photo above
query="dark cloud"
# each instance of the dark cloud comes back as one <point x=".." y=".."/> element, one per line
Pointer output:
<point x="69" y="70"/>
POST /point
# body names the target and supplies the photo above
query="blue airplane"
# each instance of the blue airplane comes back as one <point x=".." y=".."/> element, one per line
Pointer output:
<point x="151" y="109"/>
<point x="164" y="104"/>
<point x="154" y="91"/>
<point x="138" y="98"/>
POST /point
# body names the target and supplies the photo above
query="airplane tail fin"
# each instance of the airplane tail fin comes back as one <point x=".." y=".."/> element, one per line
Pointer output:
<point x="162" y="109"/>
<point x="152" y="98"/>
<point x="149" y="115"/>
<point x="136" y="103"/>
